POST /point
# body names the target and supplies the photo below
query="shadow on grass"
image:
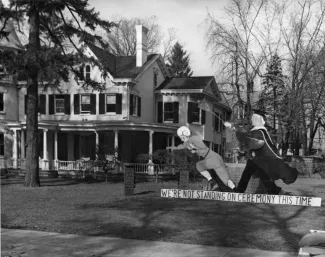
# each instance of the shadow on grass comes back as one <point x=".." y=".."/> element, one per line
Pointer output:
<point x="205" y="222"/>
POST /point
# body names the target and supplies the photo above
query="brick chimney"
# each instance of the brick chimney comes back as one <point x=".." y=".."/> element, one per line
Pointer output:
<point x="142" y="45"/>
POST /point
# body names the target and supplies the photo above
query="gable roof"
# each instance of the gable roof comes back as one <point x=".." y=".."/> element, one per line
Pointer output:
<point x="10" y="41"/>
<point x="186" y="83"/>
<point x="121" y="66"/>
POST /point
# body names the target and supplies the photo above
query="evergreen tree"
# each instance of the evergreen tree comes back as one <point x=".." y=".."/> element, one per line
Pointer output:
<point x="178" y="62"/>
<point x="273" y="98"/>
<point x="52" y="24"/>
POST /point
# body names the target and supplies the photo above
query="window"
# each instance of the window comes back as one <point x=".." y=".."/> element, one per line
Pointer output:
<point x="168" y="111"/>
<point x="85" y="103"/>
<point x="195" y="112"/>
<point x="2" y="144"/>
<point x="155" y="79"/>
<point x="134" y="104"/>
<point x="2" y="106"/>
<point x="87" y="72"/>
<point x="216" y="148"/>
<point x="110" y="103"/>
<point x="217" y="121"/>
<point x="59" y="104"/>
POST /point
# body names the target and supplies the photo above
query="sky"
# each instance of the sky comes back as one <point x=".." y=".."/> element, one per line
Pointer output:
<point x="186" y="16"/>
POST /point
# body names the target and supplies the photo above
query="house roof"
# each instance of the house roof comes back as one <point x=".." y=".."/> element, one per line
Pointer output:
<point x="186" y="83"/>
<point x="10" y="41"/>
<point x="120" y="66"/>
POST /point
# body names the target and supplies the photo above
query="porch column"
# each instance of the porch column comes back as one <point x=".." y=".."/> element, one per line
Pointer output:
<point x="150" y="167"/>
<point x="22" y="143"/>
<point x="45" y="165"/>
<point x="173" y="141"/>
<point x="117" y="168"/>
<point x="116" y="143"/>
<point x="56" y="162"/>
<point x="14" y="150"/>
<point x="97" y="143"/>
<point x="173" y="145"/>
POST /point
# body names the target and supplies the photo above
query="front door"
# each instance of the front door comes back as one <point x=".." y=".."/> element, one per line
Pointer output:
<point x="62" y="147"/>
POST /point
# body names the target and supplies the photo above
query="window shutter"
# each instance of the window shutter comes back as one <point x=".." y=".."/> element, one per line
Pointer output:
<point x="102" y="104"/>
<point x="76" y="103"/>
<point x="51" y="104"/>
<point x="118" y="105"/>
<point x="131" y="104"/>
<point x="160" y="112"/>
<point x="67" y="104"/>
<point x="139" y="107"/>
<point x="93" y="104"/>
<point x="25" y="104"/>
<point x="42" y="104"/>
<point x="189" y="112"/>
<point x="175" y="115"/>
<point x="202" y="117"/>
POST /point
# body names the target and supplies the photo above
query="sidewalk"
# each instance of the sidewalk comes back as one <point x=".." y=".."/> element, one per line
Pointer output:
<point x="27" y="243"/>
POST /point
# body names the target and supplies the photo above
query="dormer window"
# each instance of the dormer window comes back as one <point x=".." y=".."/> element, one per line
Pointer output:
<point x="87" y="73"/>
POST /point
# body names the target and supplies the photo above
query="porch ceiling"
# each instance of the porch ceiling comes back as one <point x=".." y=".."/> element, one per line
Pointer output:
<point x="100" y="126"/>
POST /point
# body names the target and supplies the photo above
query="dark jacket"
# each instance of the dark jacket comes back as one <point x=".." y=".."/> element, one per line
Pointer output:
<point x="266" y="155"/>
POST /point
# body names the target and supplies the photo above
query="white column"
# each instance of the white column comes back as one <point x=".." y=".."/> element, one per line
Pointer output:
<point x="56" y="150"/>
<point x="150" y="167"/>
<point x="45" y="159"/>
<point x="117" y="167"/>
<point x="116" y="143"/>
<point x="14" y="150"/>
<point x="97" y="144"/>
<point x="173" y="145"/>
<point x="173" y="141"/>
<point x="22" y="143"/>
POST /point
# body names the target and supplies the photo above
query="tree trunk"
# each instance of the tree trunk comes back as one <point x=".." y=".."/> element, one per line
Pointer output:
<point x="32" y="153"/>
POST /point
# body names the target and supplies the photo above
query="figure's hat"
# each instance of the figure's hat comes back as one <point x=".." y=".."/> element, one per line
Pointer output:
<point x="260" y="112"/>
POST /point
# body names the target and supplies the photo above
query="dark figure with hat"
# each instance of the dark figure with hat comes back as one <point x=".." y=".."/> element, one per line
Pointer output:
<point x="266" y="163"/>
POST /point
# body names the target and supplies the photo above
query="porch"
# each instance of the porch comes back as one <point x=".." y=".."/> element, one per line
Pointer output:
<point x="66" y="146"/>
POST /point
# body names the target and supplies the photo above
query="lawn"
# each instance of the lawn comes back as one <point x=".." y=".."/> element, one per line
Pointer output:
<point x="101" y="209"/>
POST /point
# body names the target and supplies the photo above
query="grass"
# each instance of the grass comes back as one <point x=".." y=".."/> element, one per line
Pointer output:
<point x="101" y="209"/>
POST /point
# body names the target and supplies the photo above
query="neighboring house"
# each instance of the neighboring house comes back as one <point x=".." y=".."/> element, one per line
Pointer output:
<point x="138" y="112"/>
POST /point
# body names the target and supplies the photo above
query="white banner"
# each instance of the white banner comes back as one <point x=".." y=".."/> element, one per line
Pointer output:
<point x="242" y="197"/>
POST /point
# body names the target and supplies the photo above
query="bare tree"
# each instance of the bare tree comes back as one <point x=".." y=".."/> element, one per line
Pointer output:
<point x="302" y="29"/>
<point x="122" y="39"/>
<point x="238" y="47"/>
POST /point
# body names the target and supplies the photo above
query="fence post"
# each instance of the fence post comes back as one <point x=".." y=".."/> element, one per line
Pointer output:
<point x="128" y="180"/>
<point x="183" y="182"/>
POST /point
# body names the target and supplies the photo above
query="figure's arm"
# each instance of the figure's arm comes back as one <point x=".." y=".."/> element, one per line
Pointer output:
<point x="179" y="147"/>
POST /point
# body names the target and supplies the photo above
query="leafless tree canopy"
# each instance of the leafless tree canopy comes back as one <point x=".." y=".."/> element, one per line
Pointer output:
<point x="241" y="45"/>
<point x="122" y="39"/>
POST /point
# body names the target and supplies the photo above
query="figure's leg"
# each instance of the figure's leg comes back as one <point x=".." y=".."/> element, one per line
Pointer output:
<point x="219" y="183"/>
<point x="249" y="170"/>
<point x="270" y="185"/>
<point x="201" y="167"/>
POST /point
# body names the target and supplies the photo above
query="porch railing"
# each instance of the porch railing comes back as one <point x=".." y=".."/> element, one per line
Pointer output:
<point x="78" y="165"/>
